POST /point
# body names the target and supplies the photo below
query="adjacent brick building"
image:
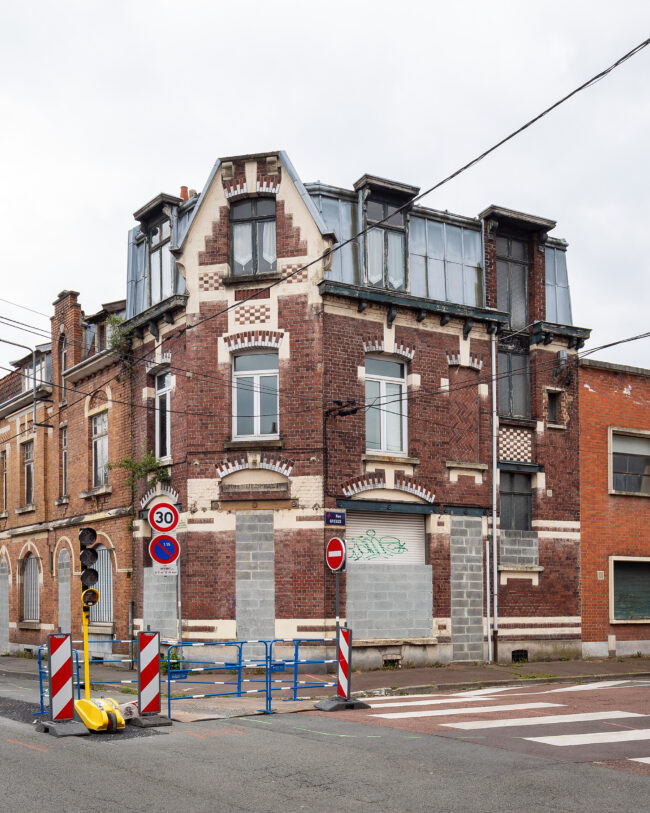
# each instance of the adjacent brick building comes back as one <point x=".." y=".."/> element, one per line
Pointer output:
<point x="615" y="500"/>
<point x="275" y="379"/>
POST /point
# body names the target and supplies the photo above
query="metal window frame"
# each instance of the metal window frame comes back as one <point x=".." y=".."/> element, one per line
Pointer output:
<point x="254" y="219"/>
<point x="255" y="374"/>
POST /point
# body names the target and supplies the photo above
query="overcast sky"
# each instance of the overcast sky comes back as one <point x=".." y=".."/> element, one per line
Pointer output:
<point x="105" y="104"/>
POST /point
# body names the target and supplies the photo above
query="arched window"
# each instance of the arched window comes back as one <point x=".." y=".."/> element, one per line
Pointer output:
<point x="63" y="577"/>
<point x="102" y="612"/>
<point x="31" y="607"/>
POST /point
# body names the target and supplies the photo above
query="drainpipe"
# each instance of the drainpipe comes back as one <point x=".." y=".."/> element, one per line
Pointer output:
<point x="495" y="437"/>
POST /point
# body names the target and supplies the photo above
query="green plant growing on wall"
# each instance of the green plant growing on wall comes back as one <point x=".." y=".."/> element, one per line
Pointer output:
<point x="147" y="468"/>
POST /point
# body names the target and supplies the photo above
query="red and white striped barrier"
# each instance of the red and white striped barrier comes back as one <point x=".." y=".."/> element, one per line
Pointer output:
<point x="59" y="649"/>
<point x="345" y="645"/>
<point x="149" y="672"/>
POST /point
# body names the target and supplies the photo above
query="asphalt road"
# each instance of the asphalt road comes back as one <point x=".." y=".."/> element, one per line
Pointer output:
<point x="311" y="762"/>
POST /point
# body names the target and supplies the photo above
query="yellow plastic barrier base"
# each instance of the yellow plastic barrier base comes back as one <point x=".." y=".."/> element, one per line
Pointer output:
<point x="101" y="714"/>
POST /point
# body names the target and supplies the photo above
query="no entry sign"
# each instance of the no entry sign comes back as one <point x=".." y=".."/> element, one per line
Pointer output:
<point x="163" y="517"/>
<point x="164" y="549"/>
<point x="335" y="554"/>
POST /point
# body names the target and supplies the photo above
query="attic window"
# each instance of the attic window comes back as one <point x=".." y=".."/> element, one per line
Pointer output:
<point x="160" y="262"/>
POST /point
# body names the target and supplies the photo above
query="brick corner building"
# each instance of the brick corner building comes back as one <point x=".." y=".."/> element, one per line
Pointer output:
<point x="615" y="507"/>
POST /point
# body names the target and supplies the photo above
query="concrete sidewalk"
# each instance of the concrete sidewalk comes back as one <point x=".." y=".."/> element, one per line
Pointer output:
<point x="393" y="681"/>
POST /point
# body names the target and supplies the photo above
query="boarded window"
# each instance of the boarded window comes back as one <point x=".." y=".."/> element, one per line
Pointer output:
<point x="631" y="590"/>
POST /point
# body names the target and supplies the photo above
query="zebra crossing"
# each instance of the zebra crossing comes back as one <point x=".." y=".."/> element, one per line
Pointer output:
<point x="601" y="722"/>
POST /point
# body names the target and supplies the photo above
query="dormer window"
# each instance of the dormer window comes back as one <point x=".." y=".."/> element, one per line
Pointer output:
<point x="160" y="262"/>
<point x="252" y="225"/>
<point x="385" y="244"/>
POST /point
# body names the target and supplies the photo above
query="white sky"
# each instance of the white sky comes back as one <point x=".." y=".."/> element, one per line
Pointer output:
<point x="105" y="104"/>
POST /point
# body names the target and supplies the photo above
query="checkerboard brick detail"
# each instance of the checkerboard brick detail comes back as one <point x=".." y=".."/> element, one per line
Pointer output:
<point x="516" y="444"/>
<point x="246" y="314"/>
<point x="210" y="281"/>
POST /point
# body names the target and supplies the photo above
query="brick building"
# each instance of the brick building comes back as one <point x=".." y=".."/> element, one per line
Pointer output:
<point x="55" y="480"/>
<point x="615" y="492"/>
<point x="274" y="379"/>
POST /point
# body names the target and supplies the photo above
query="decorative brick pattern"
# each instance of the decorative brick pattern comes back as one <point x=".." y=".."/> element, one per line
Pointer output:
<point x="246" y="314"/>
<point x="277" y="463"/>
<point x="516" y="444"/>
<point x="414" y="487"/>
<point x="230" y="466"/>
<point x="365" y="483"/>
<point x="453" y="360"/>
<point x="253" y="338"/>
<point x="210" y="281"/>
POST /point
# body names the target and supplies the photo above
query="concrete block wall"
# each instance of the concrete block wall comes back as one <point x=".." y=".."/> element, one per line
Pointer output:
<point x="466" y="548"/>
<point x="159" y="604"/>
<point x="255" y="575"/>
<point x="389" y="601"/>
<point x="519" y="548"/>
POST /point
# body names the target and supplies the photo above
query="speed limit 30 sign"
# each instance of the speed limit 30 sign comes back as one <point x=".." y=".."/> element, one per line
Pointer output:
<point x="163" y="517"/>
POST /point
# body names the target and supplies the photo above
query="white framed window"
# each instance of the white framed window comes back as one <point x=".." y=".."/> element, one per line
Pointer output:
<point x="31" y="607"/>
<point x="100" y="449"/>
<point x="630" y="463"/>
<point x="255" y="396"/>
<point x="64" y="461"/>
<point x="163" y="415"/>
<point x="629" y="589"/>
<point x="28" y="472"/>
<point x="386" y="413"/>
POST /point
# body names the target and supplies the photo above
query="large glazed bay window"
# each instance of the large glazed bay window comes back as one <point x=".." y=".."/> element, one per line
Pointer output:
<point x="100" y="449"/>
<point x="253" y="236"/>
<point x="513" y="385"/>
<point x="631" y="464"/>
<point x="385" y="246"/>
<point x="445" y="262"/>
<point x="516" y="501"/>
<point x="255" y="395"/>
<point x="558" y="301"/>
<point x="160" y="262"/>
<point x="385" y="406"/>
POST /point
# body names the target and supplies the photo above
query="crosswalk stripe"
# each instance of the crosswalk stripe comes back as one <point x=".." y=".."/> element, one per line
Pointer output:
<point x="435" y="702"/>
<point x="475" y="710"/>
<point x="550" y="720"/>
<point x="593" y="739"/>
<point x="646" y="760"/>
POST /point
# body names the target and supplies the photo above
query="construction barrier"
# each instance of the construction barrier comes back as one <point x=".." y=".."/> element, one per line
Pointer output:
<point x="60" y="675"/>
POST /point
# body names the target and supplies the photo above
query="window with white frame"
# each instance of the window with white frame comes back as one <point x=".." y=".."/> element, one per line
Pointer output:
<point x="252" y="225"/>
<point x="100" y="449"/>
<point x="631" y="463"/>
<point x="386" y="406"/>
<point x="64" y="461"/>
<point x="255" y="395"/>
<point x="28" y="472"/>
<point x="163" y="415"/>
<point x="31" y="607"/>
<point x="160" y="262"/>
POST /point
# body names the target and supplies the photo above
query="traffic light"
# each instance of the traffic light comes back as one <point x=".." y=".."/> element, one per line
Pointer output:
<point x="88" y="557"/>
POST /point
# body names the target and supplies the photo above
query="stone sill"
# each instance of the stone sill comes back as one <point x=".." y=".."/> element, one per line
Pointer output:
<point x="62" y="500"/>
<point x="394" y="642"/>
<point x="253" y="444"/>
<point x="241" y="278"/>
<point x="29" y="625"/>
<point x="371" y="457"/>
<point x="95" y="492"/>
<point x="27" y="509"/>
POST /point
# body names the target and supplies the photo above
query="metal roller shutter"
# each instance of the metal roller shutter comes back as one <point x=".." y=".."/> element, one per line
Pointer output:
<point x="385" y="538"/>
